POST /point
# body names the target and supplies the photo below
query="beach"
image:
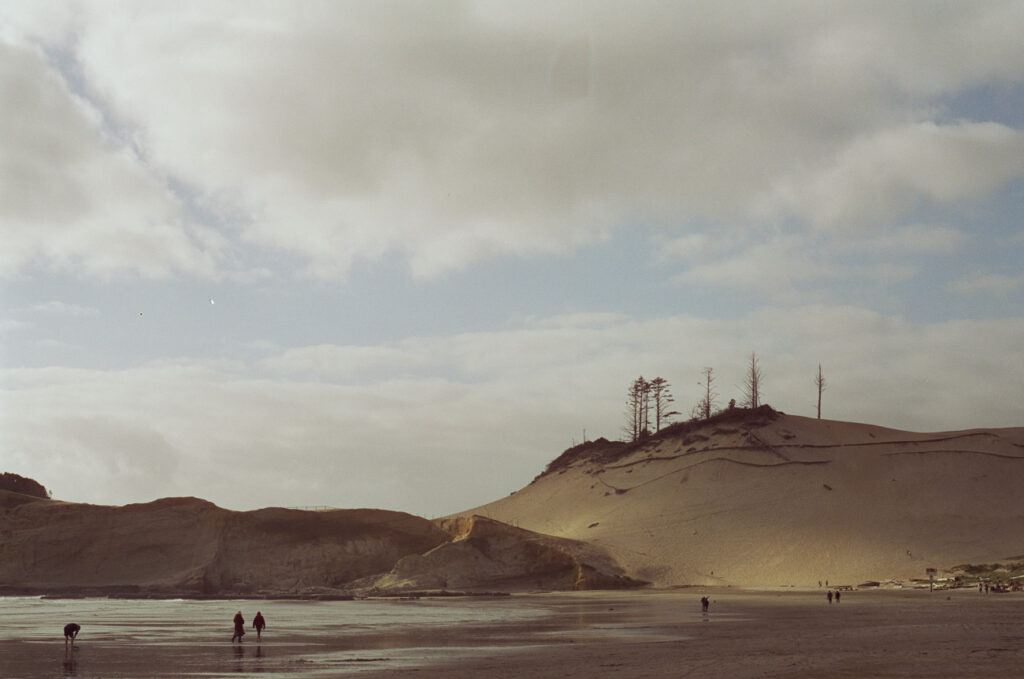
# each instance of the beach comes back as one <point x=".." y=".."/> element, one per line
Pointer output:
<point x="656" y="633"/>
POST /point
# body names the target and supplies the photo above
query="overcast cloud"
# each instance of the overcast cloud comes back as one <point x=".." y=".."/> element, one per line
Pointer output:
<point x="401" y="254"/>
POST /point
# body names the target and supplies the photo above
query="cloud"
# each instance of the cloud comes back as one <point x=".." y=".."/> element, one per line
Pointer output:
<point x="12" y="325"/>
<point x="347" y="363"/>
<point x="71" y="198"/>
<point x="881" y="176"/>
<point x="980" y="283"/>
<point x="775" y="267"/>
<point x="482" y="414"/>
<point x="799" y="269"/>
<point x="924" y="239"/>
<point x="58" y="308"/>
<point x="459" y="132"/>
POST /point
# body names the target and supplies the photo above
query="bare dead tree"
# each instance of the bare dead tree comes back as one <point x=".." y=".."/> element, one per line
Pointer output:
<point x="707" y="403"/>
<point x="638" y="409"/>
<point x="819" y="381"/>
<point x="752" y="384"/>
<point x="660" y="400"/>
<point x="632" y="426"/>
<point x="645" y="408"/>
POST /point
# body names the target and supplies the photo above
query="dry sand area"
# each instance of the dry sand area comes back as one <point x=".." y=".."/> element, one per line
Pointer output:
<point x="653" y="633"/>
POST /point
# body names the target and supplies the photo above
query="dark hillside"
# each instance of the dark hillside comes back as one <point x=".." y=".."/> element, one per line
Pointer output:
<point x="23" y="485"/>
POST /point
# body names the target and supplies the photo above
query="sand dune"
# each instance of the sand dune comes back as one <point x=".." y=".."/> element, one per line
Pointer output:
<point x="751" y="498"/>
<point x="765" y="499"/>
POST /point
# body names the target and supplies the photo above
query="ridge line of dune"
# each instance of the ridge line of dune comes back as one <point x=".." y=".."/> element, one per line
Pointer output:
<point x="669" y="458"/>
<point x="893" y="442"/>
<point x="954" y="452"/>
<point x="703" y="462"/>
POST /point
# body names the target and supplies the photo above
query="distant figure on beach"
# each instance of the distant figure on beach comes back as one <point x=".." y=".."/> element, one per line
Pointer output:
<point x="70" y="632"/>
<point x="829" y="595"/>
<point x="704" y="603"/>
<point x="239" y="627"/>
<point x="837" y="596"/>
<point x="259" y="623"/>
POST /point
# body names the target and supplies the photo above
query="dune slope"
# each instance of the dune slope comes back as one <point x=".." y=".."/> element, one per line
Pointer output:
<point x="758" y="498"/>
<point x="487" y="554"/>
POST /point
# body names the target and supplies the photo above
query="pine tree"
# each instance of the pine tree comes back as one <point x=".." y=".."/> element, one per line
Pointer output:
<point x="638" y="409"/>
<point x="661" y="398"/>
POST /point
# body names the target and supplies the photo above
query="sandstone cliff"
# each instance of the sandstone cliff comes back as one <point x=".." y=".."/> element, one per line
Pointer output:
<point x="192" y="547"/>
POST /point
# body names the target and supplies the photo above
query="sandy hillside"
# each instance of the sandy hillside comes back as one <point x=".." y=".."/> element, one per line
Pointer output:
<point x="490" y="555"/>
<point x="766" y="499"/>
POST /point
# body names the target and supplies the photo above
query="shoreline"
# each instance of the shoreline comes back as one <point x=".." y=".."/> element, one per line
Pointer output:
<point x="585" y="635"/>
<point x="133" y="594"/>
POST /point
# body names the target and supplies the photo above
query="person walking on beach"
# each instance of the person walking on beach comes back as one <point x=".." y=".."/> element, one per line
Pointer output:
<point x="259" y="623"/>
<point x="704" y="603"/>
<point x="239" y="627"/>
<point x="829" y="595"/>
<point x="837" y="596"/>
<point x="71" y="631"/>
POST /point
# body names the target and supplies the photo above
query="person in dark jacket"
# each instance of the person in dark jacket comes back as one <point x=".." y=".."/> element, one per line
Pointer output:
<point x="71" y="631"/>
<point x="239" y="627"/>
<point x="259" y="623"/>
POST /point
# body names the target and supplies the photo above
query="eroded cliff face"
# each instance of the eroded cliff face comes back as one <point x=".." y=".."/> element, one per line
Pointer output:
<point x="278" y="549"/>
<point x="191" y="547"/>
<point x="489" y="555"/>
<point x="50" y="545"/>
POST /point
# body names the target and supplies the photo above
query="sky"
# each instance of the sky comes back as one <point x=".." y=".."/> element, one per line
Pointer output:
<point x="403" y="254"/>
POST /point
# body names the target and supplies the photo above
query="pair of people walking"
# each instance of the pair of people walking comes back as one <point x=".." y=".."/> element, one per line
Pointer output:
<point x="831" y="595"/>
<point x="258" y="624"/>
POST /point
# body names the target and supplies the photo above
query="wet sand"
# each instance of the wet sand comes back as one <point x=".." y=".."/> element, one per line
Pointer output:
<point x="639" y="634"/>
<point x="746" y="635"/>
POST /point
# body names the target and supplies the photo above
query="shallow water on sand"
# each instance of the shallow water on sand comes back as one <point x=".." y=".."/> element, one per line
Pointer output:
<point x="184" y="638"/>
